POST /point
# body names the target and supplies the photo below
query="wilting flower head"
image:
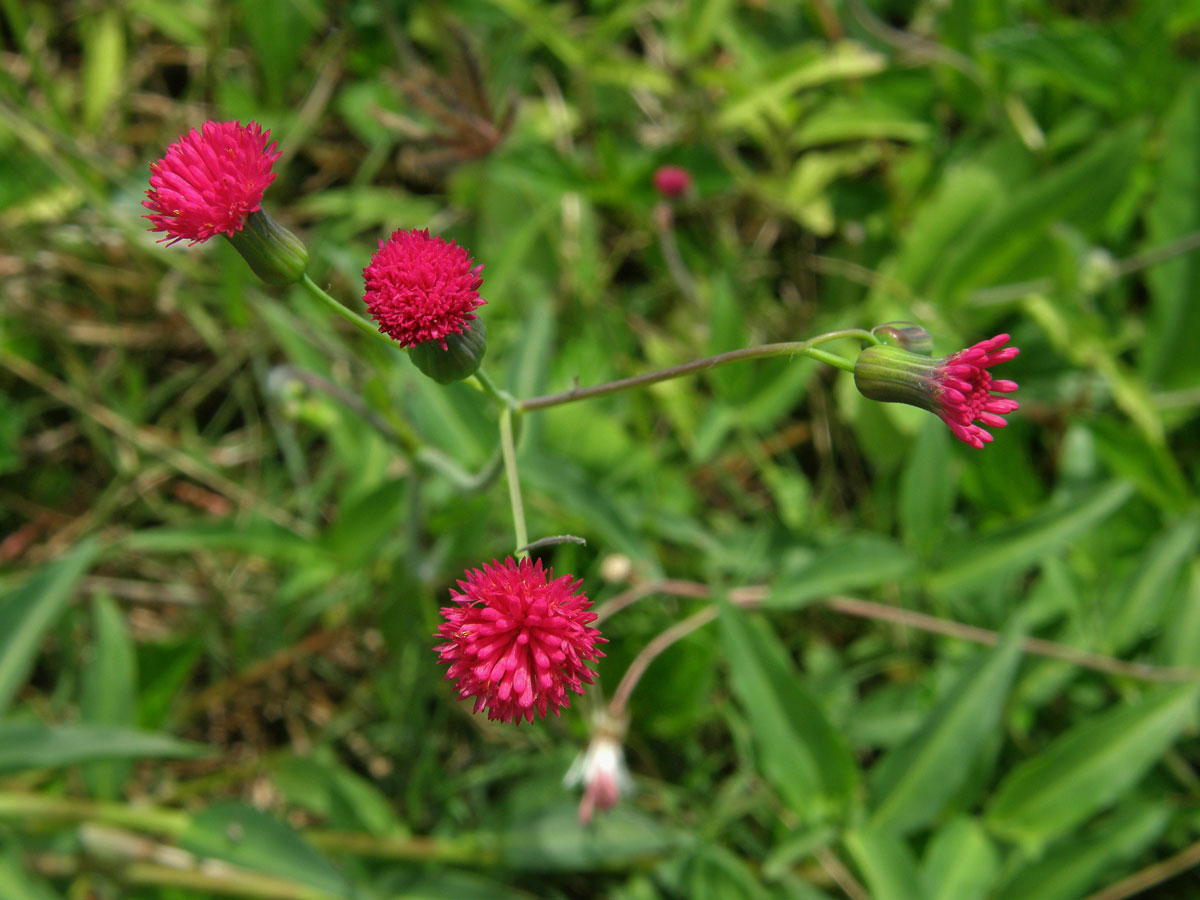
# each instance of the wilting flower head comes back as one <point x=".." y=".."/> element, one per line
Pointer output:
<point x="210" y="181"/>
<point x="422" y="288"/>
<point x="672" y="181"/>
<point x="601" y="770"/>
<point x="958" y="388"/>
<point x="517" y="639"/>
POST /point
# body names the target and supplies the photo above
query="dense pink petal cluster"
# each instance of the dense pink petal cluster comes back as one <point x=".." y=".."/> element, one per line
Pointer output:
<point x="964" y="390"/>
<point x="210" y="180"/>
<point x="672" y="181"/>
<point x="517" y="639"/>
<point x="421" y="288"/>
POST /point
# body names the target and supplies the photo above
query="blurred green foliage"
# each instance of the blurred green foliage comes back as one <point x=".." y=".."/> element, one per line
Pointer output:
<point x="220" y="574"/>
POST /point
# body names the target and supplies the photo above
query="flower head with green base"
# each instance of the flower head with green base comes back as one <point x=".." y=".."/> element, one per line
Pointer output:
<point x="421" y="288"/>
<point x="210" y="181"/>
<point x="957" y="388"/>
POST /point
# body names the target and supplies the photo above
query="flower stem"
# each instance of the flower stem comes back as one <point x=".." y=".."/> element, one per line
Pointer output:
<point x="503" y="399"/>
<point x="791" y="348"/>
<point x="647" y="655"/>
<point x="352" y="317"/>
<point x="509" y="451"/>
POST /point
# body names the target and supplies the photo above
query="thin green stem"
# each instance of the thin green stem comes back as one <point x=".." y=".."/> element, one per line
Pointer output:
<point x="352" y="317"/>
<point x="462" y="479"/>
<point x="503" y="399"/>
<point x="846" y="365"/>
<point x="396" y="431"/>
<point x="791" y="348"/>
<point x="509" y="451"/>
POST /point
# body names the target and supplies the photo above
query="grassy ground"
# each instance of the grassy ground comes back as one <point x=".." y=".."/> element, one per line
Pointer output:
<point x="972" y="674"/>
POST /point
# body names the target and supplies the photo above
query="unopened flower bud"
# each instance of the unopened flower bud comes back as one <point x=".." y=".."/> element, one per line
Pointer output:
<point x="672" y="181"/>
<point x="275" y="254"/>
<point x="907" y="335"/>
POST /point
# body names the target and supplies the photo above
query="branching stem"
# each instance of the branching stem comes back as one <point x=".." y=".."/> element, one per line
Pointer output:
<point x="763" y="351"/>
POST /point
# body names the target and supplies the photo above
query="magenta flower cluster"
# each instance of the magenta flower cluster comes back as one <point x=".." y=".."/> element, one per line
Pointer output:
<point x="515" y="639"/>
<point x="518" y="639"/>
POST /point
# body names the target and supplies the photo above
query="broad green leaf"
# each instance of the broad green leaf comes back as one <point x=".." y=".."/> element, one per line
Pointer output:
<point x="927" y="488"/>
<point x="103" y="36"/>
<point x="1150" y="466"/>
<point x="1139" y="609"/>
<point x="1174" y="212"/>
<point x="28" y="611"/>
<point x="1075" y="55"/>
<point x="799" y="751"/>
<point x="964" y="195"/>
<point x="17" y="882"/>
<point x="345" y="799"/>
<point x="717" y="874"/>
<point x="857" y="562"/>
<point x="255" y="539"/>
<point x="886" y="864"/>
<point x="960" y="862"/>
<point x="1071" y="869"/>
<point x="1178" y="642"/>
<point x="1017" y="226"/>
<point x="789" y="851"/>
<point x="858" y="120"/>
<point x="793" y="71"/>
<point x="912" y="783"/>
<point x="32" y="745"/>
<point x="185" y="25"/>
<point x="109" y="692"/>
<point x="984" y="559"/>
<point x="446" y="884"/>
<point x="556" y="841"/>
<point x="373" y="206"/>
<point x="363" y="525"/>
<point x="247" y="837"/>
<point x="278" y="31"/>
<point x="805" y="192"/>
<point x="1090" y="766"/>
<point x="528" y="369"/>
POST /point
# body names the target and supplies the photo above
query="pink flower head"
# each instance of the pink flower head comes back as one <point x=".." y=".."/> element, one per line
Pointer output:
<point x="965" y="390"/>
<point x="517" y="639"/>
<point x="957" y="388"/>
<point x="672" y="181"/>
<point x="421" y="288"/>
<point x="210" y="181"/>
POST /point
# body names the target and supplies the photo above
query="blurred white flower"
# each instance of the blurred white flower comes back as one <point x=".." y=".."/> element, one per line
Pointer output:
<point x="601" y="770"/>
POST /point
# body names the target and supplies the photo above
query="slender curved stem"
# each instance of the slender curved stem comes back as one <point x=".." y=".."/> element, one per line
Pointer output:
<point x="403" y="436"/>
<point x="509" y="451"/>
<point x="754" y="595"/>
<point x="791" y="348"/>
<point x="350" y="316"/>
<point x="1154" y="874"/>
<point x="840" y="362"/>
<point x="503" y="399"/>
<point x="647" y="655"/>
<point x="465" y="481"/>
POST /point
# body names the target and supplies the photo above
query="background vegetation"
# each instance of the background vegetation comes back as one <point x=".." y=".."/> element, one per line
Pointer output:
<point x="219" y="576"/>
